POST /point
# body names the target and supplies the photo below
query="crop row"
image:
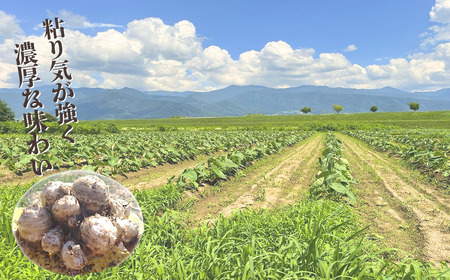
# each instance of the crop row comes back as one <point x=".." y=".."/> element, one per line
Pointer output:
<point x="218" y="168"/>
<point x="152" y="201"/>
<point x="312" y="239"/>
<point x="418" y="138"/>
<point x="124" y="152"/>
<point x="430" y="155"/>
<point x="334" y="179"/>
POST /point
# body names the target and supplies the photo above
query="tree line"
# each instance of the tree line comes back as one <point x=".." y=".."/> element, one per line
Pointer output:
<point x="412" y="105"/>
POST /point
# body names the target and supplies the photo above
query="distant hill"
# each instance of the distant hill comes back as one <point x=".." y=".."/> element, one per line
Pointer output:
<point x="128" y="103"/>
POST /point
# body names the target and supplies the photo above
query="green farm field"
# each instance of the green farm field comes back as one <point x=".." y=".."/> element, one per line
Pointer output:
<point x="410" y="120"/>
<point x="336" y="196"/>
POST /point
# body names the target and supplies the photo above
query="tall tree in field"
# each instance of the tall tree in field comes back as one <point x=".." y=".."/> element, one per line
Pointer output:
<point x="306" y="110"/>
<point x="338" y="108"/>
<point x="374" y="109"/>
<point x="6" y="114"/>
<point x="414" y="106"/>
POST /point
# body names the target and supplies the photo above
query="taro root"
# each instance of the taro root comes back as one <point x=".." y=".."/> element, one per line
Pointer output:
<point x="53" y="240"/>
<point x="119" y="208"/>
<point x="91" y="192"/>
<point x="72" y="221"/>
<point x="121" y="247"/>
<point x="35" y="198"/>
<point x="77" y="227"/>
<point x="65" y="208"/>
<point x="128" y="229"/>
<point x="54" y="191"/>
<point x="73" y="255"/>
<point x="99" y="234"/>
<point x="33" y="223"/>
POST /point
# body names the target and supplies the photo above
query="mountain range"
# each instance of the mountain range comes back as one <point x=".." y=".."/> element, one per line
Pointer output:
<point x="128" y="103"/>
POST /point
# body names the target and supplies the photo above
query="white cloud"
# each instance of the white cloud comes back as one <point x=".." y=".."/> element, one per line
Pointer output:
<point x="435" y="35"/>
<point x="6" y="71"/>
<point x="350" y="48"/>
<point x="84" y="78"/>
<point x="109" y="51"/>
<point x="152" y="55"/>
<point x="9" y="26"/>
<point x="331" y="61"/>
<point x="280" y="56"/>
<point x="440" y="12"/>
<point x="211" y="58"/>
<point x="160" y="40"/>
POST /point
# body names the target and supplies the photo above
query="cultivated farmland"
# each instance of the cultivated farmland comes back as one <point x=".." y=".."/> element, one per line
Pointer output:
<point x="310" y="199"/>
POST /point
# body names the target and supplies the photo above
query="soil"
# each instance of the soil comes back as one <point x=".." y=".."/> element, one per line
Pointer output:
<point x="278" y="180"/>
<point x="8" y="177"/>
<point x="150" y="177"/>
<point x="407" y="213"/>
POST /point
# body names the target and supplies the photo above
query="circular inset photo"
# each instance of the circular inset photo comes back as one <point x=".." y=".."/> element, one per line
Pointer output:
<point x="77" y="222"/>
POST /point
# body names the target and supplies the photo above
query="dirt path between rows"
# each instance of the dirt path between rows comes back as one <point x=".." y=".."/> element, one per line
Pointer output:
<point x="149" y="177"/>
<point x="408" y="214"/>
<point x="7" y="177"/>
<point x="279" y="179"/>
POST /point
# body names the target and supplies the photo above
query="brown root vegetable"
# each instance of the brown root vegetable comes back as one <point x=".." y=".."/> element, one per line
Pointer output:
<point x="33" y="223"/>
<point x="128" y="229"/>
<point x="119" y="208"/>
<point x="73" y="255"/>
<point x="91" y="192"/>
<point x="99" y="234"/>
<point x="83" y="226"/>
<point x="54" y="191"/>
<point x="73" y="222"/>
<point x="65" y="208"/>
<point x="53" y="240"/>
<point x="121" y="247"/>
<point x="35" y="198"/>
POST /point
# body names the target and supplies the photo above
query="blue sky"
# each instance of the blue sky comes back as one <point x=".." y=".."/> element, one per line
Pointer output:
<point x="349" y="43"/>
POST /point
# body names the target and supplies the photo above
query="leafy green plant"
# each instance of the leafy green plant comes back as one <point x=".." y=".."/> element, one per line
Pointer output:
<point x="425" y="150"/>
<point x="312" y="239"/>
<point x="334" y="180"/>
<point x="129" y="151"/>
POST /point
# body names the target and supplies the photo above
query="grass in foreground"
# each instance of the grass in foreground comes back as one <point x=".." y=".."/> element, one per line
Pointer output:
<point x="309" y="240"/>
